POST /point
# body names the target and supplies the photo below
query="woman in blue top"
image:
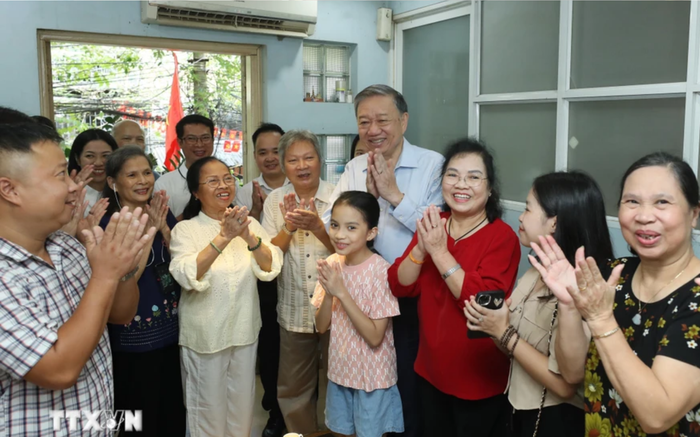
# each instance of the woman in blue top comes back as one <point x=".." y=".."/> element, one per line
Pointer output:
<point x="145" y="351"/>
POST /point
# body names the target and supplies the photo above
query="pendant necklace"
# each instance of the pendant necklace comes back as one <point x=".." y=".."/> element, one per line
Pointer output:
<point x="637" y="319"/>
<point x="449" y="229"/>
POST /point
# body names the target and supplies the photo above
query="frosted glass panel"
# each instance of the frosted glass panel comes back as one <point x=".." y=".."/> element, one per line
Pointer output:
<point x="607" y="137"/>
<point x="436" y="82"/>
<point x="629" y="42"/>
<point x="523" y="138"/>
<point x="519" y="46"/>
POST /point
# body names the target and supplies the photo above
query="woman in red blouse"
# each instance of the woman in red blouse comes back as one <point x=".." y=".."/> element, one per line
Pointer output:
<point x="454" y="255"/>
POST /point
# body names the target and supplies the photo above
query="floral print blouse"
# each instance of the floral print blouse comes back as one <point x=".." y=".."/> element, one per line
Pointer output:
<point x="669" y="327"/>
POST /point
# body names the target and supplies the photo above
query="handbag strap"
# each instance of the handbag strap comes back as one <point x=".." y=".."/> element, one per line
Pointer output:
<point x="544" y="389"/>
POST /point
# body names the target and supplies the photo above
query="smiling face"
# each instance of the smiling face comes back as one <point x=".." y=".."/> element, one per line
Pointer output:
<point x="464" y="198"/>
<point x="46" y="179"/>
<point x="266" y="156"/>
<point x="654" y="215"/>
<point x="96" y="152"/>
<point x="215" y="197"/>
<point x="534" y="222"/>
<point x="349" y="232"/>
<point x="128" y="132"/>
<point x="302" y="165"/>
<point x="134" y="182"/>
<point x="197" y="142"/>
<point x="380" y="125"/>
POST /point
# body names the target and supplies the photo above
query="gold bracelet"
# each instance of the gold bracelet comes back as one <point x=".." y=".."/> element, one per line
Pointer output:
<point x="413" y="260"/>
<point x="287" y="231"/>
<point x="606" y="334"/>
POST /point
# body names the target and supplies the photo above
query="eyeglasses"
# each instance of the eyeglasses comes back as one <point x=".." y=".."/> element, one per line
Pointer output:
<point x="366" y="124"/>
<point x="191" y="140"/>
<point x="470" y="179"/>
<point x="215" y="182"/>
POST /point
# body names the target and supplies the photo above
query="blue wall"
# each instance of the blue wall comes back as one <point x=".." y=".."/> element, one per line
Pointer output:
<point x="405" y="6"/>
<point x="338" y="21"/>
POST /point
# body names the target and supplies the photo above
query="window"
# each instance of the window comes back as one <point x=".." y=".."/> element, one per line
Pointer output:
<point x="244" y="58"/>
<point x="336" y="153"/>
<point x="581" y="85"/>
<point x="326" y="72"/>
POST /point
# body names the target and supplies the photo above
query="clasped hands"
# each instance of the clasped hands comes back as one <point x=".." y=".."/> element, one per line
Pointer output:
<point x="381" y="179"/>
<point x="235" y="223"/>
<point x="302" y="216"/>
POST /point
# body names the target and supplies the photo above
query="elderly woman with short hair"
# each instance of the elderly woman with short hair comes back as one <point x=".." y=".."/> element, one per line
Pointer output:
<point x="291" y="217"/>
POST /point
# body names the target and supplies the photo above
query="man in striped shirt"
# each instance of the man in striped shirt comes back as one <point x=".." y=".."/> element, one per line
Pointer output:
<point x="57" y="296"/>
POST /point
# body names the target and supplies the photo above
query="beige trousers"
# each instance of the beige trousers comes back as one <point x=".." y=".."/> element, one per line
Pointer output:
<point x="303" y="367"/>
<point x="219" y="391"/>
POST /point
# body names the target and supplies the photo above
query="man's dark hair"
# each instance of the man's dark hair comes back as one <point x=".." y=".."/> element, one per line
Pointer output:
<point x="265" y="128"/>
<point x="193" y="119"/>
<point x="46" y="121"/>
<point x="13" y="116"/>
<point x="17" y="139"/>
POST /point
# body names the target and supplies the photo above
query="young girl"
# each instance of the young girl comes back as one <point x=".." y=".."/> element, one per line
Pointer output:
<point x="353" y="294"/>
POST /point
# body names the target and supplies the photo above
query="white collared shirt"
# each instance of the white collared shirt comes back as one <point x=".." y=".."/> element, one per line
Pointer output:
<point x="175" y="185"/>
<point x="297" y="281"/>
<point x="221" y="309"/>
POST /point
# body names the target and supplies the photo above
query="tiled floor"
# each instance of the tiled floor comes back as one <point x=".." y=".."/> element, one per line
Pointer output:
<point x="260" y="416"/>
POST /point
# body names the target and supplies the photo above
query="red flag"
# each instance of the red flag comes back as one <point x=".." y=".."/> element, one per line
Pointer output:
<point x="175" y="114"/>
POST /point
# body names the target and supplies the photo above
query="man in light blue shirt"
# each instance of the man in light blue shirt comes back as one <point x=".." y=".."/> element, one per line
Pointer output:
<point x="405" y="179"/>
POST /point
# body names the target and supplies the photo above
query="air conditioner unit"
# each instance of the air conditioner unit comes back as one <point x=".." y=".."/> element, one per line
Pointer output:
<point x="295" y="18"/>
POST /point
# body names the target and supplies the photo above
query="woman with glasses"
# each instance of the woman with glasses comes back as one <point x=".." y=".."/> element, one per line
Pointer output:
<point x="218" y="253"/>
<point x="455" y="254"/>
<point x="145" y="351"/>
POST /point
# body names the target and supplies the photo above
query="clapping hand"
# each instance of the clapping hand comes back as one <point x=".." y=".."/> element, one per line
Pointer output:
<point x="432" y="237"/>
<point x="288" y="204"/>
<point x="82" y="176"/>
<point x="114" y="252"/>
<point x="235" y="223"/>
<point x="583" y="285"/>
<point x="331" y="278"/>
<point x="371" y="185"/>
<point x="384" y="178"/>
<point x="259" y="197"/>
<point x="71" y="228"/>
<point x="305" y="217"/>
<point x="157" y="211"/>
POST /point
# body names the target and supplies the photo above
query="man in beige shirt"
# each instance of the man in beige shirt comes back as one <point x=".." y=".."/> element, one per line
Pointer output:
<point x="291" y="216"/>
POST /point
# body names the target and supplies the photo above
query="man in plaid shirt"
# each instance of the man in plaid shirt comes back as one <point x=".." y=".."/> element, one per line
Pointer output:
<point x="57" y="296"/>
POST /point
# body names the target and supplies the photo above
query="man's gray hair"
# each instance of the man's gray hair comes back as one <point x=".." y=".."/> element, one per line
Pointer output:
<point x="295" y="136"/>
<point x="382" y="90"/>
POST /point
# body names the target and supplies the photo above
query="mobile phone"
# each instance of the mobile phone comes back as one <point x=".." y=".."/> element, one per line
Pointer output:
<point x="491" y="300"/>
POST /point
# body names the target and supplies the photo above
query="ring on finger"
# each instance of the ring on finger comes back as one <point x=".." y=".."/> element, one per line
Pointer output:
<point x="583" y="288"/>
<point x="240" y="222"/>
<point x="481" y="319"/>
